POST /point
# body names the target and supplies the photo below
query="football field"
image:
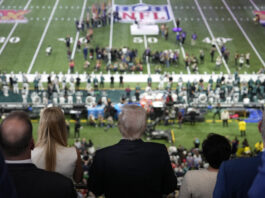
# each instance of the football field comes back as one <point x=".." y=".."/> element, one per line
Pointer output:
<point x="43" y="23"/>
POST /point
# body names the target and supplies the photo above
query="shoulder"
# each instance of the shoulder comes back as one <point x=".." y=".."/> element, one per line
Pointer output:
<point x="157" y="146"/>
<point x="30" y="179"/>
<point x="37" y="150"/>
<point x="66" y="152"/>
<point x="36" y="153"/>
<point x="55" y="183"/>
<point x="145" y="146"/>
<point x="60" y="148"/>
<point x="32" y="174"/>
<point x="54" y="178"/>
<point x="242" y="161"/>
<point x="193" y="174"/>
<point x="190" y="177"/>
<point x="241" y="164"/>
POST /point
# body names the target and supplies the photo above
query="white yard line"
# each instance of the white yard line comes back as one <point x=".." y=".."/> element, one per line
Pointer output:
<point x="254" y="5"/>
<point x="147" y="61"/>
<point x="111" y="26"/>
<point x="148" y="67"/>
<point x="12" y="30"/>
<point x="211" y="34"/>
<point x="145" y="42"/>
<point x="43" y="36"/>
<point x="111" y="30"/>
<point x="8" y="37"/>
<point x="244" y="33"/>
<point x="78" y="32"/>
<point x="146" y="46"/>
<point x="175" y="25"/>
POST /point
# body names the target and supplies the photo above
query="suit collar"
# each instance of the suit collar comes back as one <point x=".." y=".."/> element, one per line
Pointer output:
<point x="21" y="166"/>
<point x="27" y="161"/>
<point x="126" y="141"/>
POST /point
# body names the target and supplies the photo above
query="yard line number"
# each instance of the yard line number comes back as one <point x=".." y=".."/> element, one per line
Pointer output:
<point x="141" y="40"/>
<point x="11" y="40"/>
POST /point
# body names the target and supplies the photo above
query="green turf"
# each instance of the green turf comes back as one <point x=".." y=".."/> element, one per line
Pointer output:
<point x="253" y="31"/>
<point x="190" y="26"/>
<point x="184" y="136"/>
<point x="59" y="29"/>
<point x="17" y="57"/>
<point x="229" y="29"/>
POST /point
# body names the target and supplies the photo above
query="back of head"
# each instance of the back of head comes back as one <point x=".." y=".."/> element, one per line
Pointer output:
<point x="132" y="121"/>
<point x="52" y="127"/>
<point x="52" y="130"/>
<point x="16" y="135"/>
<point x="216" y="149"/>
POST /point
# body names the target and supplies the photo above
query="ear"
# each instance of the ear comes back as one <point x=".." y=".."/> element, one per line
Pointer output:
<point x="262" y="123"/>
<point x="32" y="144"/>
<point x="259" y="126"/>
<point x="119" y="122"/>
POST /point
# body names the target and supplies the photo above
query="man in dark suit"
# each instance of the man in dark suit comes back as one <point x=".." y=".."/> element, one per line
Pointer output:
<point x="236" y="176"/>
<point x="7" y="188"/>
<point x="16" y="143"/>
<point x="258" y="186"/>
<point x="132" y="168"/>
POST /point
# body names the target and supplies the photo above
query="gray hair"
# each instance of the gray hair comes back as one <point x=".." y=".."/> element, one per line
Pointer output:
<point x="132" y="121"/>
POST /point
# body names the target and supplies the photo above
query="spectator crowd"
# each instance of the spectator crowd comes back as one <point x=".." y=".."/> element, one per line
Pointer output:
<point x="229" y="89"/>
<point x="55" y="165"/>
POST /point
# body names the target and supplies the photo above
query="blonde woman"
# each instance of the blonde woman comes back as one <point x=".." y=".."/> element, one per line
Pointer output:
<point x="51" y="152"/>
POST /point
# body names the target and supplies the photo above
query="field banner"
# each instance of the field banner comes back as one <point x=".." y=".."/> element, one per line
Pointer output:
<point x="261" y="15"/>
<point x="13" y="16"/>
<point x="143" y="13"/>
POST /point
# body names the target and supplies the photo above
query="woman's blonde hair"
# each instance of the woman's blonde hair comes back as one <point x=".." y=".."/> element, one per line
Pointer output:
<point x="52" y="130"/>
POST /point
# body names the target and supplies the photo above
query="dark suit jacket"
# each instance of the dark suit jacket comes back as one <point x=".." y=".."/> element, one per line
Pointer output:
<point x="7" y="188"/>
<point x="235" y="177"/>
<point x="132" y="169"/>
<point x="32" y="182"/>
<point x="258" y="186"/>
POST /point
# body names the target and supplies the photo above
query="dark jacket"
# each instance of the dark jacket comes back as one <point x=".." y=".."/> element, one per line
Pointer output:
<point x="235" y="177"/>
<point x="32" y="182"/>
<point x="258" y="186"/>
<point x="7" y="188"/>
<point x="132" y="169"/>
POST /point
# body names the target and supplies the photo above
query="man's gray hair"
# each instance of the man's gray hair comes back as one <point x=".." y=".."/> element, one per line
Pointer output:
<point x="132" y="121"/>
